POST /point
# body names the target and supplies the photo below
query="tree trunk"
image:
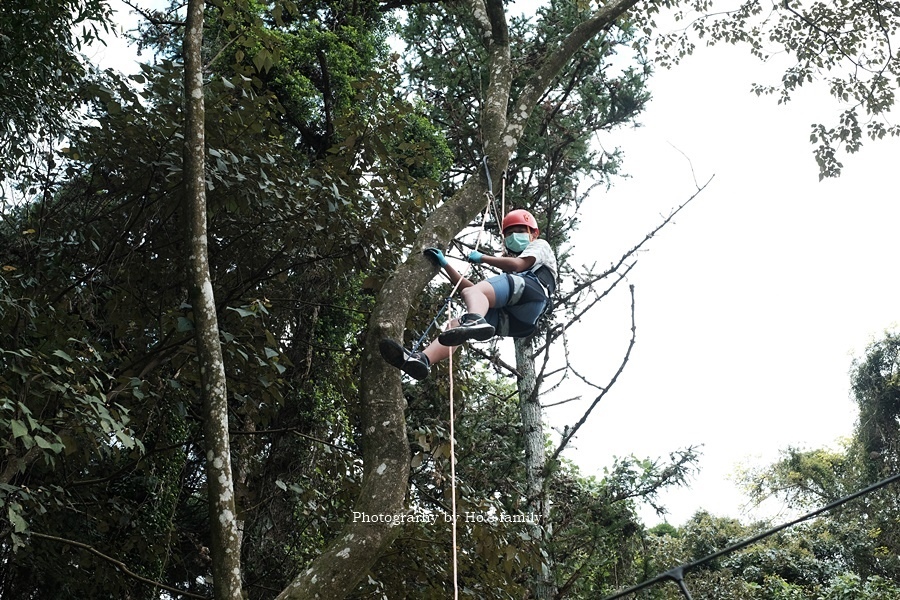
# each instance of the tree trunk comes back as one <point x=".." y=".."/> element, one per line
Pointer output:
<point x="225" y="532"/>
<point x="336" y="572"/>
<point x="538" y="504"/>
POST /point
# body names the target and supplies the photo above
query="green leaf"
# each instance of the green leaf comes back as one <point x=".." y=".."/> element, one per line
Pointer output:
<point x="63" y="355"/>
<point x="18" y="428"/>
<point x="243" y="312"/>
<point x="262" y="60"/>
<point x="19" y="524"/>
<point x="42" y="443"/>
<point x="126" y="439"/>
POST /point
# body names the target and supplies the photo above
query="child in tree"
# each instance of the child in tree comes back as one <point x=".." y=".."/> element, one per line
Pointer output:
<point x="507" y="305"/>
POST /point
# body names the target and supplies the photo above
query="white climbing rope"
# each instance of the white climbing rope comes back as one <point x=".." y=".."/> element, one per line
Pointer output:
<point x="453" y="485"/>
<point x="484" y="218"/>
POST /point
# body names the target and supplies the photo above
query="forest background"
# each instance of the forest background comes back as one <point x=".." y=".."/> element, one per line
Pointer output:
<point x="588" y="347"/>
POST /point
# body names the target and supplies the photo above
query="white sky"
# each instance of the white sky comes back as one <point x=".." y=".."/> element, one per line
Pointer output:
<point x="751" y="306"/>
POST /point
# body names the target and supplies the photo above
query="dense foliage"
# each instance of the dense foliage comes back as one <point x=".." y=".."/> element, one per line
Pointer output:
<point x="99" y="383"/>
<point x="42" y="73"/>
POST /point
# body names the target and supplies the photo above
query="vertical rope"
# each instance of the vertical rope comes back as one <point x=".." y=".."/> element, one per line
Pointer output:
<point x="453" y="419"/>
<point x="453" y="483"/>
<point x="502" y="202"/>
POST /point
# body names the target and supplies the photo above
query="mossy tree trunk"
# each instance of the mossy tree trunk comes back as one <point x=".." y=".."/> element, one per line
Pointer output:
<point x="225" y="530"/>
<point x="542" y="584"/>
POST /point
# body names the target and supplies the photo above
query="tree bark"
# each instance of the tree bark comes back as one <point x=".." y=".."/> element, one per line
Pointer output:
<point x="537" y="502"/>
<point x="225" y="531"/>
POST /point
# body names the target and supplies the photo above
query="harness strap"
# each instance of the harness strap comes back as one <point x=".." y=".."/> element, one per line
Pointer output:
<point x="545" y="276"/>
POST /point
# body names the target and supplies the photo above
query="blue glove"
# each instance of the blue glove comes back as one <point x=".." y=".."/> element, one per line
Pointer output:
<point x="435" y="256"/>
<point x="475" y="256"/>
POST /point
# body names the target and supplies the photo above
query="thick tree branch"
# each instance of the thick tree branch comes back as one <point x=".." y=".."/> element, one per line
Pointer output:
<point x="494" y="113"/>
<point x="554" y="63"/>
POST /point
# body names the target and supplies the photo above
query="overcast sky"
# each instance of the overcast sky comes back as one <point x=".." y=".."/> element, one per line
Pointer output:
<point x="752" y="305"/>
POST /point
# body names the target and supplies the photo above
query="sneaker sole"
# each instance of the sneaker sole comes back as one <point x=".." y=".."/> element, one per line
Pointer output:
<point x="460" y="335"/>
<point x="395" y="355"/>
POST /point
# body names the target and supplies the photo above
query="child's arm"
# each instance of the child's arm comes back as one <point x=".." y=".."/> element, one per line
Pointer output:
<point x="507" y="264"/>
<point x="455" y="276"/>
<point x="436" y="257"/>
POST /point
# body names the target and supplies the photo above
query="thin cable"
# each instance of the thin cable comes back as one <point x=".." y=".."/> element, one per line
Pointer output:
<point x="677" y="573"/>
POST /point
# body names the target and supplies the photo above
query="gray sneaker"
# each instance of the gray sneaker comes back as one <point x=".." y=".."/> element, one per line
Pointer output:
<point x="472" y="326"/>
<point x="414" y="364"/>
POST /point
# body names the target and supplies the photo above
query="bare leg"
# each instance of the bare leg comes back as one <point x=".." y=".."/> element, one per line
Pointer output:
<point x="479" y="298"/>
<point x="436" y="351"/>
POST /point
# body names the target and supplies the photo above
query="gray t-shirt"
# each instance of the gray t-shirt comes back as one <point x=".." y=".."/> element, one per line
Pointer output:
<point x="543" y="256"/>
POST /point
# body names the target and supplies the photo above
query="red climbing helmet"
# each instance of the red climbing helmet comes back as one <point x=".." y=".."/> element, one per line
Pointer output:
<point x="520" y="217"/>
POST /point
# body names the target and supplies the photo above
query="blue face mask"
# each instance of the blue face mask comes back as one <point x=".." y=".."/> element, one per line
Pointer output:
<point x="516" y="242"/>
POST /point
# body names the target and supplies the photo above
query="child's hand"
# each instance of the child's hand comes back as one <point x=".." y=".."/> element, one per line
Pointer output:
<point x="475" y="256"/>
<point x="435" y="256"/>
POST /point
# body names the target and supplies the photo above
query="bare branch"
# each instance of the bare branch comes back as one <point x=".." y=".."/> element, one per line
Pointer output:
<point x="604" y="18"/>
<point x="155" y="17"/>
<point x="496" y="361"/>
<point x="592" y="280"/>
<point x="574" y="399"/>
<point x="585" y="379"/>
<point x="616" y="266"/>
<point x="570" y="432"/>
<point x="118" y="564"/>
